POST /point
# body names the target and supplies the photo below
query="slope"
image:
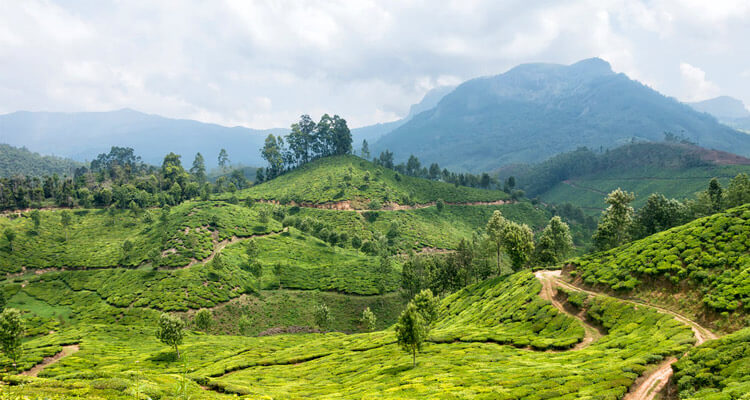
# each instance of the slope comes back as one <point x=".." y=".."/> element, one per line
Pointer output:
<point x="535" y="111"/>
<point x="701" y="268"/>
<point x="353" y="183"/>
<point x="20" y="161"/>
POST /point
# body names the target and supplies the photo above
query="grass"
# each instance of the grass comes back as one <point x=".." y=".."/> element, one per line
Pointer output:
<point x="700" y="267"/>
<point x="350" y="178"/>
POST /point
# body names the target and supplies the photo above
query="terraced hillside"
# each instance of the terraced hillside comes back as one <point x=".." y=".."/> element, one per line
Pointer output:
<point x="701" y="268"/>
<point x="588" y="191"/>
<point x="352" y="183"/>
<point x="486" y="343"/>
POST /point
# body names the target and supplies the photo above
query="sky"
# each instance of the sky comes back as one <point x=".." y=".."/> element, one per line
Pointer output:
<point x="261" y="64"/>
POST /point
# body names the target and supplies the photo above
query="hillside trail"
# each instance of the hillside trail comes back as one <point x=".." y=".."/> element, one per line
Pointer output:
<point x="66" y="351"/>
<point x="218" y="247"/>
<point x="591" y="333"/>
<point x="348" y="205"/>
<point x="646" y="387"/>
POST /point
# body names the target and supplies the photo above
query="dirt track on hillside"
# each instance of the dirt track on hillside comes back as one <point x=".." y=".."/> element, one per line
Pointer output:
<point x="66" y="351"/>
<point x="646" y="387"/>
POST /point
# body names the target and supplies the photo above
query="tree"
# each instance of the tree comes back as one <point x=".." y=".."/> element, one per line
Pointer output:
<point x="10" y="236"/>
<point x="198" y="170"/>
<point x="127" y="247"/>
<point x="12" y="330"/>
<point x="356" y="242"/>
<point x="715" y="194"/>
<point x="738" y="191"/>
<point x="658" y="214"/>
<point x="36" y="218"/>
<point x="223" y="160"/>
<point x="413" y="165"/>
<point x="496" y="232"/>
<point x="555" y="242"/>
<point x="170" y="331"/>
<point x="427" y="307"/>
<point x="434" y="171"/>
<point x="365" y="152"/>
<point x="65" y="219"/>
<point x="272" y="153"/>
<point x="323" y="317"/>
<point x="440" y="204"/>
<point x="519" y="244"/>
<point x="614" y="226"/>
<point x="410" y="331"/>
<point x="203" y="319"/>
<point x="172" y="170"/>
<point x="342" y="136"/>
<point x="385" y="159"/>
<point x="368" y="319"/>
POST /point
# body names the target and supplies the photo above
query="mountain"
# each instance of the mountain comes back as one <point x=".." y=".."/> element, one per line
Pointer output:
<point x="82" y="136"/>
<point x="371" y="133"/>
<point x="20" y="161"/>
<point x="728" y="110"/>
<point x="722" y="107"/>
<point x="534" y="111"/>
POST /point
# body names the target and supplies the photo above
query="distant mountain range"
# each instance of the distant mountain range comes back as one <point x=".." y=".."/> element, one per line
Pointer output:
<point x="728" y="110"/>
<point x="535" y="111"/>
<point x="83" y="135"/>
<point x="525" y="115"/>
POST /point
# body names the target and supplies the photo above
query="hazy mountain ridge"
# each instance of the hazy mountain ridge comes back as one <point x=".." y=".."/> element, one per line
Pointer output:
<point x="82" y="136"/>
<point x="728" y="110"/>
<point x="534" y="111"/>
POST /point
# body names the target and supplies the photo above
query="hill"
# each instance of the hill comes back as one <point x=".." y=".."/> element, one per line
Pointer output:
<point x="349" y="182"/>
<point x="489" y="341"/>
<point x="583" y="177"/>
<point x="82" y="136"/>
<point x="700" y="268"/>
<point x="20" y="161"/>
<point x="535" y="111"/>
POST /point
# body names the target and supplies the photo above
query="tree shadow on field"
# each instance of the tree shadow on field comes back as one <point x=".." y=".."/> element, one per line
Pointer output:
<point x="164" y="356"/>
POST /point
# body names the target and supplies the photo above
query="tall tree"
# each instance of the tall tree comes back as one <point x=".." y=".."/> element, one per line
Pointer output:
<point x="519" y="243"/>
<point x="658" y="214"/>
<point x="12" y="330"/>
<point x="170" y="331"/>
<point x="555" y="242"/>
<point x="323" y="137"/>
<point x="342" y="136"/>
<point x="715" y="193"/>
<point x="365" y="152"/>
<point x="173" y="171"/>
<point x="223" y="160"/>
<point x="410" y="331"/>
<point x="198" y="170"/>
<point x="427" y="307"/>
<point x="615" y="224"/>
<point x="738" y="191"/>
<point x="271" y="152"/>
<point x="496" y="232"/>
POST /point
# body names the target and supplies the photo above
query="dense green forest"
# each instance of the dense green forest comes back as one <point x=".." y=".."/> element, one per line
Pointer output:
<point x="20" y="161"/>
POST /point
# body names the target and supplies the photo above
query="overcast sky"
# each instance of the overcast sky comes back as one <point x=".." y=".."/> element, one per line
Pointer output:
<point x="261" y="64"/>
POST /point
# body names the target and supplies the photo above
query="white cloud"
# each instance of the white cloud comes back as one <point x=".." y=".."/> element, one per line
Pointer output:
<point x="696" y="85"/>
<point x="263" y="63"/>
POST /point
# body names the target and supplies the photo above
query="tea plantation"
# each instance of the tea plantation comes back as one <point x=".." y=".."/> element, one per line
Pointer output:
<point x="350" y="178"/>
<point x="702" y="268"/>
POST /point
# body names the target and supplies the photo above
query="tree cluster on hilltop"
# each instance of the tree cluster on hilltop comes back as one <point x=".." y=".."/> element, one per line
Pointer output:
<point x="307" y="141"/>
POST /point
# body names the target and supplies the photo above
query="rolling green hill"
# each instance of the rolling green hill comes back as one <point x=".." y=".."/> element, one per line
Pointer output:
<point x="20" y="161"/>
<point x="356" y="181"/>
<point x="463" y="357"/>
<point x="701" y="268"/>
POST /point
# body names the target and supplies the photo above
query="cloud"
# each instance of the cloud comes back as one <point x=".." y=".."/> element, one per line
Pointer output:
<point x="263" y="63"/>
<point x="697" y="86"/>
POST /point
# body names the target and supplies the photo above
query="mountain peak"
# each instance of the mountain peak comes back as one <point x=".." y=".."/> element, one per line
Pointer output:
<point x="722" y="107"/>
<point x="593" y="66"/>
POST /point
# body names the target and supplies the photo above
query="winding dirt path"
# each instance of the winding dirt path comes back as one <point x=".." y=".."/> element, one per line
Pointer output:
<point x="66" y="351"/>
<point x="646" y="387"/>
<point x="548" y="293"/>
